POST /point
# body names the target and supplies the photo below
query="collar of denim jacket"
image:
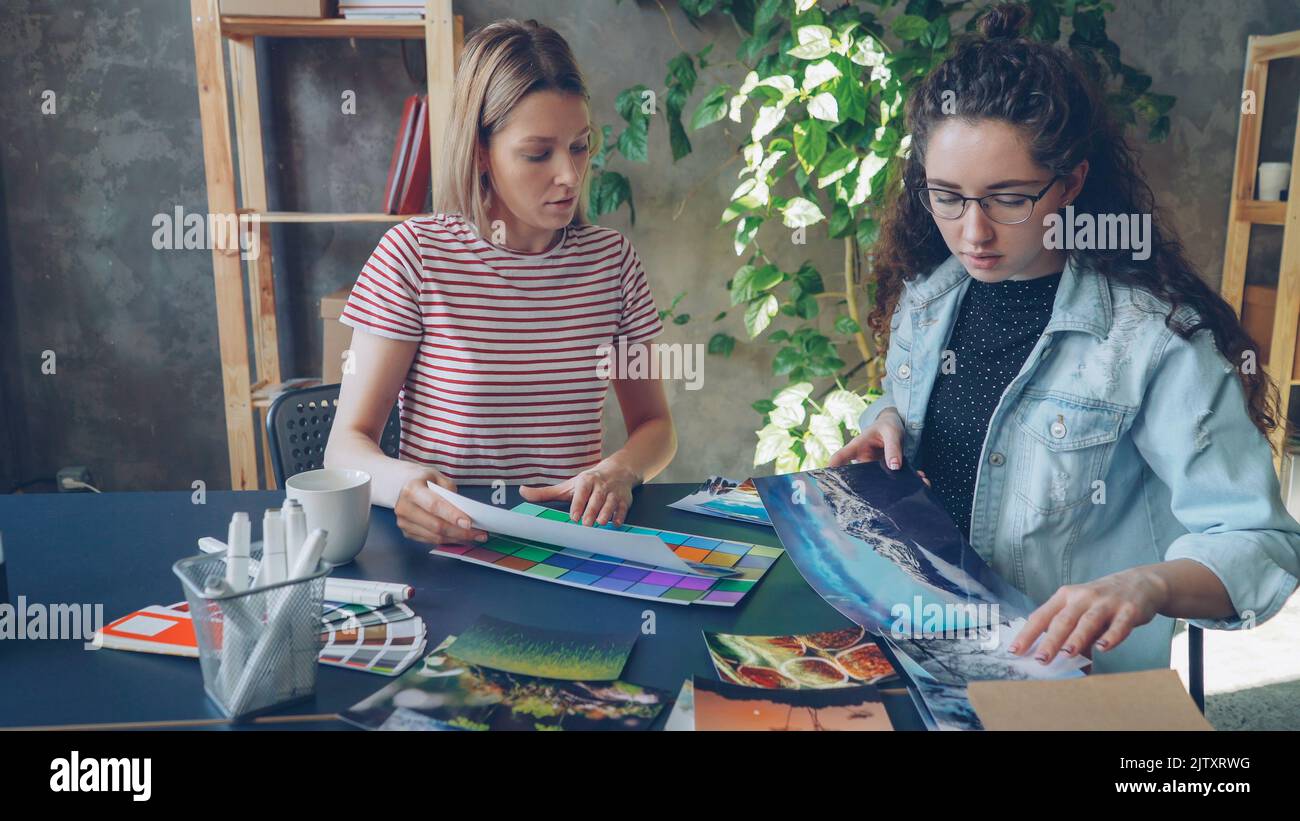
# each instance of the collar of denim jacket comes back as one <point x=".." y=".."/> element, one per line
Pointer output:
<point x="1083" y="301"/>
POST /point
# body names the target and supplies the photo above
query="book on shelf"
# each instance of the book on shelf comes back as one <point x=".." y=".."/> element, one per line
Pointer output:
<point x="382" y="9"/>
<point x="408" y="170"/>
<point x="401" y="149"/>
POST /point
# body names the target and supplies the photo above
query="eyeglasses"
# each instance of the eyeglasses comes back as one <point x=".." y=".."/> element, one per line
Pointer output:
<point x="1007" y="209"/>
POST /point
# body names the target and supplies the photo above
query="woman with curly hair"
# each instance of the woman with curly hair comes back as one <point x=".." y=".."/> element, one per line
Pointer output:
<point x="1090" y="415"/>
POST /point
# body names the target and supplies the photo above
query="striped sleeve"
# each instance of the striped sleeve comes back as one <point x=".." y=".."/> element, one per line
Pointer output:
<point x="639" y="319"/>
<point x="386" y="297"/>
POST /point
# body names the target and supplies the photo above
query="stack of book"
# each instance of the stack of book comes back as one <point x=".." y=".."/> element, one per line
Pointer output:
<point x="408" y="172"/>
<point x="382" y="9"/>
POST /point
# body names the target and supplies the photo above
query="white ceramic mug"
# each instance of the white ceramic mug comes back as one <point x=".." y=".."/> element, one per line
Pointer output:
<point x="338" y="500"/>
<point x="1273" y="177"/>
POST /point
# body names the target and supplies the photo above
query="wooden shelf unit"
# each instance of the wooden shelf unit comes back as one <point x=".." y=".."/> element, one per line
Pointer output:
<point x="242" y="190"/>
<point x="1245" y="211"/>
<point x="232" y="26"/>
<point x="310" y="216"/>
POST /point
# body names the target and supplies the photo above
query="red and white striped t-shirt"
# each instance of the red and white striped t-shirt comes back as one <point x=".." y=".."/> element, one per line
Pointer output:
<point x="505" y="381"/>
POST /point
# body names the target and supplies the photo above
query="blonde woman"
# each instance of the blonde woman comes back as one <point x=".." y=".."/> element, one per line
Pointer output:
<point x="488" y="320"/>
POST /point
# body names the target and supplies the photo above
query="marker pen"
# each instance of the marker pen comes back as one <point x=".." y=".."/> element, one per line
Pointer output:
<point x="210" y="545"/>
<point x="398" y="592"/>
<point x="232" y="611"/>
<point x="274" y="569"/>
<point x="295" y="529"/>
<point x="238" y="633"/>
<point x="309" y="555"/>
<point x="356" y="595"/>
<point x="237" y="541"/>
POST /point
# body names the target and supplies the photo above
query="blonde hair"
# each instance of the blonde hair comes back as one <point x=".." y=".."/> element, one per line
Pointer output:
<point x="501" y="64"/>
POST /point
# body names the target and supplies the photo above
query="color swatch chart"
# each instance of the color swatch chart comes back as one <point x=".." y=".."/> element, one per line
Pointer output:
<point x="609" y="574"/>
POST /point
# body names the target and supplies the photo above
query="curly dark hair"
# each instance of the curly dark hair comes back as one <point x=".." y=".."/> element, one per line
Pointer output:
<point x="1045" y="92"/>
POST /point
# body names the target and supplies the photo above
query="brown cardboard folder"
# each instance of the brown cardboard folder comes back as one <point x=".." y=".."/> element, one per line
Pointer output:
<point x="1146" y="700"/>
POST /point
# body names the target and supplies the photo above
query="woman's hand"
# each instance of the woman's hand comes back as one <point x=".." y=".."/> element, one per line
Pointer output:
<point x="882" y="438"/>
<point x="1101" y="614"/>
<point x="598" y="496"/>
<point x="427" y="517"/>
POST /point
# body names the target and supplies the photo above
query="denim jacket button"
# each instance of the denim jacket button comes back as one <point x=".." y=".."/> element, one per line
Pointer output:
<point x="1058" y="429"/>
<point x="996" y="459"/>
<point x="904" y="371"/>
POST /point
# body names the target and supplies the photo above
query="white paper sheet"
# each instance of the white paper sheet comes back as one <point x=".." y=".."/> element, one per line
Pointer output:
<point x="637" y="547"/>
<point x="682" y="718"/>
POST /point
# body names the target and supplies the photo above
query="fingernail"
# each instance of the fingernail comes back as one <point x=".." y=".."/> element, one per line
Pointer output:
<point x="1102" y="644"/>
<point x="482" y="537"/>
<point x="1014" y="648"/>
<point x="1042" y="657"/>
<point x="1068" y="650"/>
<point x="463" y="522"/>
<point x="893" y="464"/>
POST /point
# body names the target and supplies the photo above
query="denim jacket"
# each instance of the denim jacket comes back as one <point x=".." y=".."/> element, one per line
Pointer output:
<point x="1118" y="444"/>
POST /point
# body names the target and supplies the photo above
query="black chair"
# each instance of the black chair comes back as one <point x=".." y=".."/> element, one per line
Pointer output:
<point x="1196" y="665"/>
<point x="298" y="427"/>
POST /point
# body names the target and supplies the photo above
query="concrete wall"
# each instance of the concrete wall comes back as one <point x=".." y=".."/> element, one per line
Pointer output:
<point x="137" y="393"/>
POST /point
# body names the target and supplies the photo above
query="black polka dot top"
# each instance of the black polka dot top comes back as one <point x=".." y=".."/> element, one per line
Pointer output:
<point x="996" y="328"/>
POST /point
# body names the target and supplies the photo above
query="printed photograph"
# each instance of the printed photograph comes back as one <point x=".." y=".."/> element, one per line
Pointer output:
<point x="949" y="706"/>
<point x="726" y="499"/>
<point x="833" y="658"/>
<point x="961" y="660"/>
<point x="446" y="693"/>
<point x="544" y="653"/>
<point x="682" y="716"/>
<point x="867" y="538"/>
<point x="940" y="706"/>
<point x="721" y="705"/>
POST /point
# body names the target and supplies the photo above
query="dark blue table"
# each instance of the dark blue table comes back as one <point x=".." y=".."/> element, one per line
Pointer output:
<point x="117" y="549"/>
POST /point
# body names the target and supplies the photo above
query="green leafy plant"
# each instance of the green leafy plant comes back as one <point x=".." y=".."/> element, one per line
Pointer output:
<point x="822" y="86"/>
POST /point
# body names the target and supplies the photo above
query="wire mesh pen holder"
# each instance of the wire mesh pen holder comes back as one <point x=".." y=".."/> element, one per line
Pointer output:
<point x="258" y="648"/>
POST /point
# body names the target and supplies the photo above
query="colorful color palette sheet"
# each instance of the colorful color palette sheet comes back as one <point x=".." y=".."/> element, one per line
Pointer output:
<point x="609" y="574"/>
<point x="385" y="660"/>
<point x="382" y="640"/>
<point x="343" y="615"/>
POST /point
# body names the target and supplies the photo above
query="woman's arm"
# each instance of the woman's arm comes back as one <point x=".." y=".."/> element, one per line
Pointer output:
<point x="881" y="440"/>
<point x="1238" y="562"/>
<point x="1102" y="613"/>
<point x="371" y="381"/>
<point x="603" y="493"/>
<point x="651" y="436"/>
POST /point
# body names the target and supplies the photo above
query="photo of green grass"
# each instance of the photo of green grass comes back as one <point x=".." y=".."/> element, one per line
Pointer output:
<point x="534" y="651"/>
